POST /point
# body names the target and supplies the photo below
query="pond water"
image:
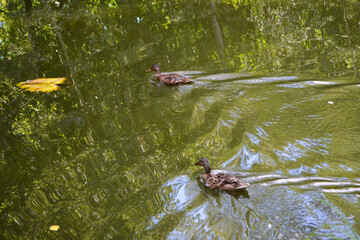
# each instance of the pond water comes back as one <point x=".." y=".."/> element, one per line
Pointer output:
<point x="111" y="155"/>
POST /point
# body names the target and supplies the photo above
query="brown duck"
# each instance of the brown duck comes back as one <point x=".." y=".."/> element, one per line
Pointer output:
<point x="221" y="180"/>
<point x="169" y="79"/>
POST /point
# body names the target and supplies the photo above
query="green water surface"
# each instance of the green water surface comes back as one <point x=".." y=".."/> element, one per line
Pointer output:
<point x="111" y="155"/>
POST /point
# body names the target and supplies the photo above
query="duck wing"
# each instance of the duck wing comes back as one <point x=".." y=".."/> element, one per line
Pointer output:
<point x="229" y="182"/>
<point x="173" y="79"/>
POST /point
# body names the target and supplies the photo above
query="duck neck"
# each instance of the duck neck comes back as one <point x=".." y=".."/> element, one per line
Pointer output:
<point x="207" y="169"/>
<point x="157" y="70"/>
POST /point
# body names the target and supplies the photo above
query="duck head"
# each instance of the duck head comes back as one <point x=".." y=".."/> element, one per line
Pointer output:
<point x="155" y="68"/>
<point x="206" y="164"/>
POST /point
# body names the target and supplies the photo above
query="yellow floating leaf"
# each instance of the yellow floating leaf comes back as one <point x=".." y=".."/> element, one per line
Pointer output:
<point x="41" y="88"/>
<point x="42" y="84"/>
<point x="54" y="227"/>
<point x="45" y="81"/>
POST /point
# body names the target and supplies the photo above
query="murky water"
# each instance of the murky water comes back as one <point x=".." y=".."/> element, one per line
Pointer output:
<point x="111" y="155"/>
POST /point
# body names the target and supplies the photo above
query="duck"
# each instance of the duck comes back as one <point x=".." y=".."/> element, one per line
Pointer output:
<point x="170" y="78"/>
<point x="220" y="180"/>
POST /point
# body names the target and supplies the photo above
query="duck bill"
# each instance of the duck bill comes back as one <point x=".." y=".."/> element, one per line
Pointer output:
<point x="149" y="70"/>
<point x="197" y="164"/>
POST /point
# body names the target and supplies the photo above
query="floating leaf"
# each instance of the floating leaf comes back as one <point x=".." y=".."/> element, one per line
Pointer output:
<point x="54" y="227"/>
<point x="40" y="88"/>
<point x="42" y="84"/>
